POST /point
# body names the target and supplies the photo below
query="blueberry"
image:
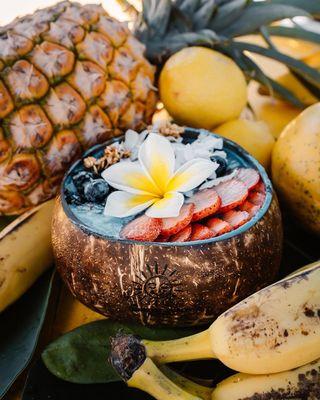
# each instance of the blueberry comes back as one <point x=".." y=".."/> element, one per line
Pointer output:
<point x="73" y="198"/>
<point x="80" y="178"/>
<point x="96" y="190"/>
<point x="221" y="170"/>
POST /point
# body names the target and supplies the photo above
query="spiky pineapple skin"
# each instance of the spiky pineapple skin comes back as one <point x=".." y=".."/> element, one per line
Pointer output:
<point x="70" y="77"/>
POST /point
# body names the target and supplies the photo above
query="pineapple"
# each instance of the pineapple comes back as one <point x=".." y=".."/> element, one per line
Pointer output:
<point x="71" y="77"/>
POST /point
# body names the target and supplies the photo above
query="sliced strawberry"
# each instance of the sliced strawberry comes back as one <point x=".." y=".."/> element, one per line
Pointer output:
<point x="251" y="208"/>
<point x="256" y="198"/>
<point x="232" y="193"/>
<point x="201" y="232"/>
<point x="206" y="202"/>
<point x="142" y="228"/>
<point x="249" y="176"/>
<point x="260" y="187"/>
<point x="182" y="236"/>
<point x="236" y="218"/>
<point x="171" y="226"/>
<point x="218" y="226"/>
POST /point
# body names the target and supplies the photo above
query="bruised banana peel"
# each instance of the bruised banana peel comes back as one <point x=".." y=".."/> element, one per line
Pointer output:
<point x="25" y="252"/>
<point x="274" y="330"/>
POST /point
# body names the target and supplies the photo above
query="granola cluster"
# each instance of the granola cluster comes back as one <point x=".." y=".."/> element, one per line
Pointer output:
<point x="112" y="154"/>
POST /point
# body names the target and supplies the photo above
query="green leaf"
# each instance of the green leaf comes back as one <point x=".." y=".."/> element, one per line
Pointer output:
<point x="311" y="6"/>
<point x="188" y="7"/>
<point x="259" y="14"/>
<point x="297" y="33"/>
<point x="81" y="356"/>
<point x="299" y="67"/>
<point x="203" y="15"/>
<point x="20" y="325"/>
<point x="227" y="14"/>
<point x="312" y="89"/>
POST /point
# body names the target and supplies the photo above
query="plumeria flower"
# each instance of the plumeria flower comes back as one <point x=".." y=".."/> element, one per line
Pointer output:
<point x="152" y="182"/>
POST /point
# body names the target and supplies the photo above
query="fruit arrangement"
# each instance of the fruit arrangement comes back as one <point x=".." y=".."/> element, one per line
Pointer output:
<point x="274" y="330"/>
<point x="172" y="225"/>
<point x="137" y="240"/>
<point x="209" y="208"/>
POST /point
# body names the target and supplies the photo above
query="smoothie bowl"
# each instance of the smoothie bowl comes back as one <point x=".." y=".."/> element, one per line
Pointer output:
<point x="169" y="227"/>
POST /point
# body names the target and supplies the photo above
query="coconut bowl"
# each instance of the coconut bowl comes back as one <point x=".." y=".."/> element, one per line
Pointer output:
<point x="176" y="284"/>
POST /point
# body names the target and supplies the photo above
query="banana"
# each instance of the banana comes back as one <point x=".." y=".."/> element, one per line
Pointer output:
<point x="25" y="252"/>
<point x="165" y="384"/>
<point x="186" y="384"/>
<point x="139" y="371"/>
<point x="300" y="383"/>
<point x="305" y="268"/>
<point x="275" y="329"/>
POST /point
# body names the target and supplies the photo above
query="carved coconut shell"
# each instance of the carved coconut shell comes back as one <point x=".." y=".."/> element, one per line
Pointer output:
<point x="169" y="284"/>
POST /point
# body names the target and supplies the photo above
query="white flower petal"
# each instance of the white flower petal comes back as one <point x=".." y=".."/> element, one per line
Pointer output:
<point x="130" y="177"/>
<point x="191" y="175"/>
<point x="121" y="204"/>
<point x="168" y="206"/>
<point x="156" y="156"/>
<point x="131" y="139"/>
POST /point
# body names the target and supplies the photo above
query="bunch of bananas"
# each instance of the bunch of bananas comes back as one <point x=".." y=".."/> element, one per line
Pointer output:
<point x="272" y="338"/>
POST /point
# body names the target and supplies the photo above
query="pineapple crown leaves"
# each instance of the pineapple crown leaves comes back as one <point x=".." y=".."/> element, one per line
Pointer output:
<point x="167" y="26"/>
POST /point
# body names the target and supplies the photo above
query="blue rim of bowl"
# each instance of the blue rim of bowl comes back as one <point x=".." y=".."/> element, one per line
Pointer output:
<point x="191" y="132"/>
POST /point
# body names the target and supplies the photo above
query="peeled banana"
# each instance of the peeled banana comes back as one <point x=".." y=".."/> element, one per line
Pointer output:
<point x="25" y="252"/>
<point x="274" y="330"/>
<point x="165" y="384"/>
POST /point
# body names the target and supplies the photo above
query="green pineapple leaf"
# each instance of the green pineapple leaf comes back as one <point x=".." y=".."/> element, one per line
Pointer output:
<point x="311" y="6"/>
<point x="294" y="32"/>
<point x="227" y="14"/>
<point x="299" y="67"/>
<point x="256" y="15"/>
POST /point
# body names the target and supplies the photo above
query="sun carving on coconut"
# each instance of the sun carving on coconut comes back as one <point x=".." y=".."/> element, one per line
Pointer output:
<point x="153" y="183"/>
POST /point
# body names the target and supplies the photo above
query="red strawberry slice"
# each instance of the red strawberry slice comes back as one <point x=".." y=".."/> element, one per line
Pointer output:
<point x="182" y="236"/>
<point x="260" y="187"/>
<point x="171" y="226"/>
<point x="251" y="208"/>
<point x="236" y="218"/>
<point x="256" y="198"/>
<point x="142" y="228"/>
<point x="206" y="202"/>
<point x="218" y="226"/>
<point x="232" y="193"/>
<point x="248" y="176"/>
<point x="201" y="232"/>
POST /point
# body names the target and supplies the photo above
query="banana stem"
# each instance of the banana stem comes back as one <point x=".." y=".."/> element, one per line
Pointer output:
<point x="196" y="347"/>
<point x="204" y="392"/>
<point x="151" y="380"/>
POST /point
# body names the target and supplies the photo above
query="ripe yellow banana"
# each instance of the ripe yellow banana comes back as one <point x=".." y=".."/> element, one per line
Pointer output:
<point x="274" y="330"/>
<point x="299" y="383"/>
<point x="165" y="384"/>
<point x="25" y="252"/>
